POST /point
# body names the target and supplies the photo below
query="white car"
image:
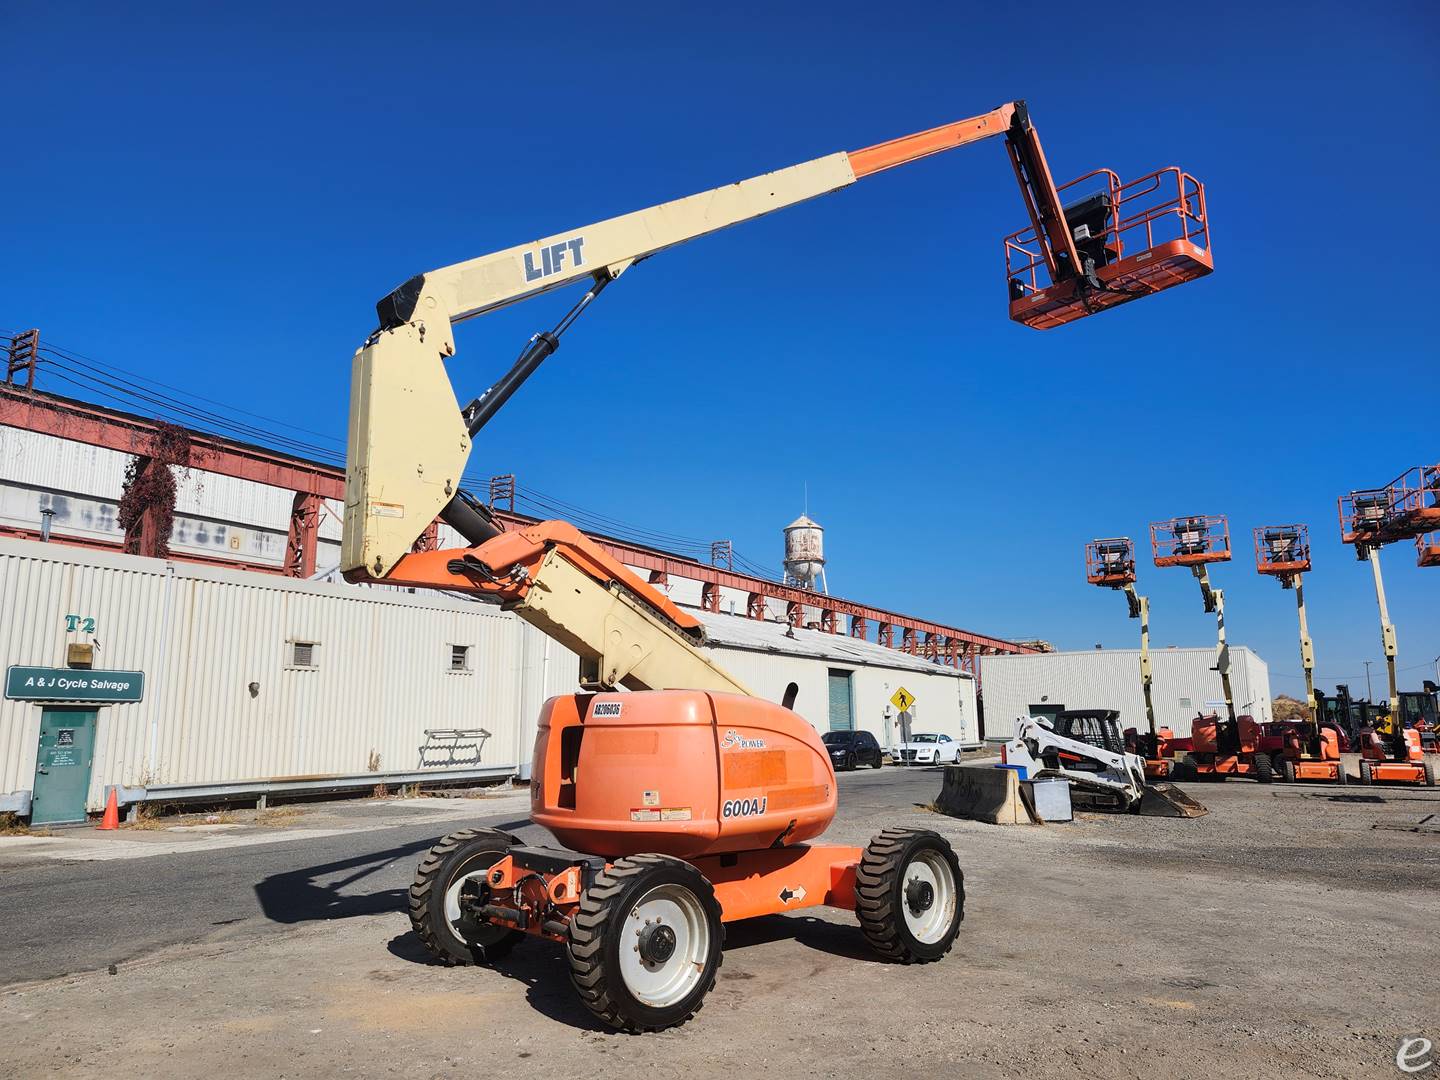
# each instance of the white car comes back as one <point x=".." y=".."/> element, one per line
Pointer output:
<point x="926" y="750"/>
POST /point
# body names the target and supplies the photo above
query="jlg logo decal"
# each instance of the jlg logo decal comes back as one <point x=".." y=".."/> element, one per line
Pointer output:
<point x="743" y="807"/>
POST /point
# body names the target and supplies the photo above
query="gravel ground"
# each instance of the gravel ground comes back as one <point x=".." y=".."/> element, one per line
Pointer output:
<point x="1289" y="933"/>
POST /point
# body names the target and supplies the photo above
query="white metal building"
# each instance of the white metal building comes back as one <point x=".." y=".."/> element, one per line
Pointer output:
<point x="1184" y="684"/>
<point x="259" y="683"/>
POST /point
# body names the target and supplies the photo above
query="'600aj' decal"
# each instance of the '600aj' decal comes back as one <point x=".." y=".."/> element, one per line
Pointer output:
<point x="743" y="807"/>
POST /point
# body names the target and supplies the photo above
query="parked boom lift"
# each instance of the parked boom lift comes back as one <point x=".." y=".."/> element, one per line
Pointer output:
<point x="1283" y="552"/>
<point x="690" y="801"/>
<point x="1218" y="748"/>
<point x="1405" y="509"/>
<point x="1110" y="563"/>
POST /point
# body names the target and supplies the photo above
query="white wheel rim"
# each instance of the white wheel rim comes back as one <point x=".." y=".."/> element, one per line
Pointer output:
<point x="452" y="900"/>
<point x="662" y="983"/>
<point x="929" y="924"/>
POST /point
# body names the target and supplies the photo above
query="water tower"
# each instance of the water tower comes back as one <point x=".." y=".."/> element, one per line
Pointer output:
<point x="805" y="554"/>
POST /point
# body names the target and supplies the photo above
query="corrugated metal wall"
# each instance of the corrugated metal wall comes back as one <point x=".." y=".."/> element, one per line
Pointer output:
<point x="225" y="704"/>
<point x="945" y="701"/>
<point x="203" y="636"/>
<point x="1110" y="679"/>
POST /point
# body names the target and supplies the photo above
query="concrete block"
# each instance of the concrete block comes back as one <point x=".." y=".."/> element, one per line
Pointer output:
<point x="982" y="793"/>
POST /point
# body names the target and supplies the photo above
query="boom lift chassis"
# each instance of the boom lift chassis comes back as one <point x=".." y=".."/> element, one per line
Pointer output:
<point x="689" y="800"/>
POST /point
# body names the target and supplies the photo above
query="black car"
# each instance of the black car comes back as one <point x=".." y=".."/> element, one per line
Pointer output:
<point x="851" y="749"/>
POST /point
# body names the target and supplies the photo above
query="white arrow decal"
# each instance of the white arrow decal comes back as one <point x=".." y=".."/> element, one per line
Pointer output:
<point x="797" y="894"/>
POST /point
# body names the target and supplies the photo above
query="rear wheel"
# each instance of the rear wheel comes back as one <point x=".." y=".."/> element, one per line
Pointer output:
<point x="1263" y="771"/>
<point x="452" y="870"/>
<point x="910" y="895"/>
<point x="879" y="762"/>
<point x="1340" y="777"/>
<point x="1367" y="774"/>
<point x="1288" y="770"/>
<point x="645" y="944"/>
<point x="1429" y="767"/>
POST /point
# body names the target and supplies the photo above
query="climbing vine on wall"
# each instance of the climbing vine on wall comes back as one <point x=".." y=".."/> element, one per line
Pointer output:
<point x="150" y="488"/>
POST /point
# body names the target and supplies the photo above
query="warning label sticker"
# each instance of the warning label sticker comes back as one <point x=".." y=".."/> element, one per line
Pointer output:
<point x="644" y="815"/>
<point x="678" y="813"/>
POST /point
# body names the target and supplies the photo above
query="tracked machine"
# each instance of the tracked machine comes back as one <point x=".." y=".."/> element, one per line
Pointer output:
<point x="681" y="800"/>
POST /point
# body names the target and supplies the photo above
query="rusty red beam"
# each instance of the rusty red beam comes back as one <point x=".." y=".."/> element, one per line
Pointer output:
<point x="82" y="422"/>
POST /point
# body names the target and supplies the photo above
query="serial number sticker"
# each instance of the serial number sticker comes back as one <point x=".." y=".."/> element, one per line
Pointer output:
<point x="644" y="815"/>
<point x="650" y="798"/>
<point x="607" y="708"/>
<point x="733" y="808"/>
<point x="379" y="509"/>
<point x="676" y="813"/>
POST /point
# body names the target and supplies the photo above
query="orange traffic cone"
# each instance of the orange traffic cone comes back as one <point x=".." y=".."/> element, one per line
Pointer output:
<point x="111" y="820"/>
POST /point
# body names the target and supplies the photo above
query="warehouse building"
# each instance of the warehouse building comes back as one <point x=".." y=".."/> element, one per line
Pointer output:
<point x="1185" y="683"/>
<point x="210" y="682"/>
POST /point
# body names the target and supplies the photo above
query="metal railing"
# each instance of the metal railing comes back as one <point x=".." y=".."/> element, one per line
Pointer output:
<point x="1179" y="215"/>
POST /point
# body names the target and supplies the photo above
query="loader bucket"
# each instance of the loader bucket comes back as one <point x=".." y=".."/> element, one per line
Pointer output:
<point x="1167" y="800"/>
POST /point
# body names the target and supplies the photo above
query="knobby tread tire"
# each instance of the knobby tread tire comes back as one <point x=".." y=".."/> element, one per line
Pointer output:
<point x="1288" y="770"/>
<point x="1429" y="770"/>
<point x="598" y="907"/>
<point x="1264" y="771"/>
<point x="428" y="878"/>
<point x="875" y="893"/>
<point x="1367" y="776"/>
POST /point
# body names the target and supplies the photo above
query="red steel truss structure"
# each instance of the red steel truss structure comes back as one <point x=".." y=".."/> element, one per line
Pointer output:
<point x="313" y="483"/>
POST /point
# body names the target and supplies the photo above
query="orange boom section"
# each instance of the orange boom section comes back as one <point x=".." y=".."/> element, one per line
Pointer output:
<point x="679" y="772"/>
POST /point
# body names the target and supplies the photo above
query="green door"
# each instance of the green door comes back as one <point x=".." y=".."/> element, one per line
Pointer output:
<point x="62" y="766"/>
<point x="842" y="716"/>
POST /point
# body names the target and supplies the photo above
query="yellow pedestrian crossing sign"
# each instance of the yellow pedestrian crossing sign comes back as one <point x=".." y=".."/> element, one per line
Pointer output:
<point x="902" y="699"/>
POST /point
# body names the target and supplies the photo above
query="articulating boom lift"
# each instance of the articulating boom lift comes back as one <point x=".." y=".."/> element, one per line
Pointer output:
<point x="1405" y="509"/>
<point x="1283" y="552"/>
<point x="1218" y="748"/>
<point x="1110" y="563"/>
<point x="691" y="800"/>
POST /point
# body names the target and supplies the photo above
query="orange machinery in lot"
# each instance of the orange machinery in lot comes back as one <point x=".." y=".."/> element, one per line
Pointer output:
<point x="687" y="803"/>
<point x="1407" y="508"/>
<point x="1219" y="748"/>
<point x="1283" y="552"/>
<point x="1110" y="563"/>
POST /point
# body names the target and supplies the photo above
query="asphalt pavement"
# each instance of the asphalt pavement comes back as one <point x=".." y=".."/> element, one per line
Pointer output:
<point x="63" y="917"/>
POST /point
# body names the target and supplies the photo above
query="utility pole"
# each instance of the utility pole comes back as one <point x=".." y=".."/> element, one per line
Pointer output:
<point x="1369" y="695"/>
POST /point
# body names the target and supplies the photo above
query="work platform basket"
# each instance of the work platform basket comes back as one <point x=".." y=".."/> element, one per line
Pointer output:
<point x="1191" y="541"/>
<point x="1404" y="509"/>
<point x="1282" y="550"/>
<point x="1110" y="562"/>
<point x="1133" y="239"/>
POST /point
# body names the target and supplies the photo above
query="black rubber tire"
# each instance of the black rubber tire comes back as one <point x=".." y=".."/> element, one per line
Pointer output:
<point x="1287" y="770"/>
<point x="850" y="763"/>
<point x="1340" y="777"/>
<point x="879" y="762"/>
<point x="455" y="855"/>
<point x="1366" y="775"/>
<point x="1429" y="768"/>
<point x="1264" y="771"/>
<point x="880" y="895"/>
<point x="597" y="932"/>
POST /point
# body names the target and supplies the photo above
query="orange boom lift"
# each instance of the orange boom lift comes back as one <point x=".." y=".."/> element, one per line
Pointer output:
<point x="1407" y="508"/>
<point x="1218" y="748"/>
<point x="1110" y="563"/>
<point x="684" y="801"/>
<point x="1283" y="552"/>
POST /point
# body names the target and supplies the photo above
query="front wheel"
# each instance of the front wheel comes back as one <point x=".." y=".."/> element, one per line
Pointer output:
<point x="645" y="944"/>
<point x="910" y="895"/>
<point x="1288" y="768"/>
<point x="1367" y="773"/>
<point x="454" y="870"/>
<point x="1264" y="773"/>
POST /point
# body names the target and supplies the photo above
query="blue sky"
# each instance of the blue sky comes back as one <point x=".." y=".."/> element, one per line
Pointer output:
<point x="216" y="201"/>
